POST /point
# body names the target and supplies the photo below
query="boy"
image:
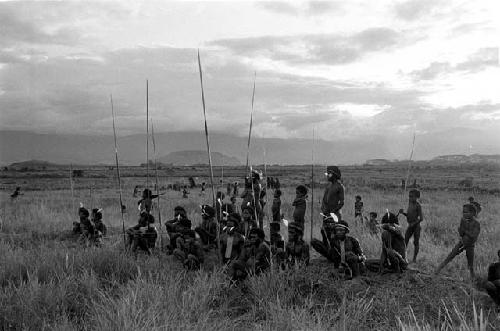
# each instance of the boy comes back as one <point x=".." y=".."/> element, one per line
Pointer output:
<point x="300" y="205"/>
<point x="358" y="208"/>
<point x="468" y="230"/>
<point x="373" y="223"/>
<point x="297" y="250"/>
<point x="414" y="217"/>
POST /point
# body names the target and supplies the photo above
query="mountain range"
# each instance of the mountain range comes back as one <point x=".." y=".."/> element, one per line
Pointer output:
<point x="17" y="146"/>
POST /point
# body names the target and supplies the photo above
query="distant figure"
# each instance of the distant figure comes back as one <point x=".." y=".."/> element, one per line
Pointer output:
<point x="277" y="184"/>
<point x="468" y="230"/>
<point x="228" y="189"/>
<point x="192" y="183"/>
<point x="16" y="193"/>
<point x="373" y="223"/>
<point x="185" y="192"/>
<point x="403" y="183"/>
<point x="300" y="205"/>
<point x="276" y="207"/>
<point x="146" y="203"/>
<point x="358" y="208"/>
<point x="493" y="284"/>
<point x="233" y="205"/>
<point x="136" y="190"/>
<point x="236" y="190"/>
<point x="203" y="187"/>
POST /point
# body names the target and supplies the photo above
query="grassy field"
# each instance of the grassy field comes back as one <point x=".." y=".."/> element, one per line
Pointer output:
<point x="48" y="282"/>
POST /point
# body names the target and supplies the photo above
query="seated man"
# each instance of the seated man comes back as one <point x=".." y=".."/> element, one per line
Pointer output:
<point x="232" y="241"/>
<point x="248" y="222"/>
<point x="493" y="283"/>
<point x="100" y="227"/>
<point x="346" y="253"/>
<point x="255" y="256"/>
<point x="297" y="250"/>
<point x="323" y="246"/>
<point x="393" y="255"/>
<point x="189" y="250"/>
<point x="142" y="235"/>
<point x="208" y="228"/>
<point x="176" y="226"/>
<point x="85" y="229"/>
<point x="277" y="244"/>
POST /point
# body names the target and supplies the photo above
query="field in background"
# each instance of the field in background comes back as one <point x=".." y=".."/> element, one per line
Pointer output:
<point x="50" y="283"/>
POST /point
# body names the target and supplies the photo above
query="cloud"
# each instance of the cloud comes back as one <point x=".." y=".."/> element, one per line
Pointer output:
<point x="279" y="7"/>
<point x="415" y="9"/>
<point x="315" y="49"/>
<point x="480" y="60"/>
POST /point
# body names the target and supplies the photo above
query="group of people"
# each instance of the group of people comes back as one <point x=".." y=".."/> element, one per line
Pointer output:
<point x="90" y="229"/>
<point x="237" y="234"/>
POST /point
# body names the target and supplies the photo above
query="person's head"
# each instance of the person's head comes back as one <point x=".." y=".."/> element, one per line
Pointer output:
<point x="469" y="211"/>
<point x="389" y="218"/>
<point x="471" y="199"/>
<point x="477" y="205"/>
<point x="256" y="176"/>
<point x="220" y="195"/>
<point x="413" y="195"/>
<point x="207" y="211"/>
<point x="233" y="220"/>
<point x="277" y="193"/>
<point x="247" y="213"/>
<point x="146" y="194"/>
<point x="295" y="232"/>
<point x="358" y="198"/>
<point x="256" y="236"/>
<point x="83" y="212"/>
<point x="97" y="214"/>
<point x="301" y="191"/>
<point x="373" y="215"/>
<point x="333" y="173"/>
<point x="341" y="229"/>
<point x="233" y="200"/>
<point x="328" y="224"/>
<point x="179" y="212"/>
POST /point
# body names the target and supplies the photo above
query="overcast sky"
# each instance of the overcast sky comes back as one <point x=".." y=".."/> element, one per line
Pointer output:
<point x="347" y="68"/>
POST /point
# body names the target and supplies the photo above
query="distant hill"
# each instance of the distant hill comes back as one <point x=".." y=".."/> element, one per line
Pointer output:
<point x="182" y="158"/>
<point x="32" y="165"/>
<point x="474" y="158"/>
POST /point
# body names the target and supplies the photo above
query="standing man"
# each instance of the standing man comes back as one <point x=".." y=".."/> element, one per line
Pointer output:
<point x="333" y="198"/>
<point x="414" y="217"/>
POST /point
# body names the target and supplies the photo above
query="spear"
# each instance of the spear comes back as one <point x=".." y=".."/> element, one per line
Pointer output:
<point x="208" y="149"/>
<point x="118" y="170"/>
<point x="312" y="188"/>
<point x="147" y="134"/>
<point x="251" y="121"/>
<point x="409" y="165"/>
<point x="156" y="174"/>
<point x="72" y="188"/>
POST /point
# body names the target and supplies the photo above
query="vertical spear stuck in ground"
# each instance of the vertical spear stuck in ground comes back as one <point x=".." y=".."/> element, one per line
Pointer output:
<point x="208" y="150"/>
<point x="312" y="188"/>
<point x="251" y="123"/>
<point x="118" y="170"/>
<point x="72" y="188"/>
<point x="409" y="166"/>
<point x="147" y="134"/>
<point x="156" y="175"/>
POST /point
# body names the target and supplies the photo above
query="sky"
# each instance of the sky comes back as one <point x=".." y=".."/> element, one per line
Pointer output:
<point x="347" y="69"/>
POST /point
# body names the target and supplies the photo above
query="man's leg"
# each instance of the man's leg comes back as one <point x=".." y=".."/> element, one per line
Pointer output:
<point x="416" y="241"/>
<point x="353" y="263"/>
<point x="469" y="252"/>
<point x="321" y="248"/>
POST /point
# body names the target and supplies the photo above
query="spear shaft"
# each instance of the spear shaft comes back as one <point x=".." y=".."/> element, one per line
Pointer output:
<point x="118" y="170"/>
<point x="251" y="122"/>
<point x="72" y="188"/>
<point x="156" y="174"/>
<point x="147" y="134"/>
<point x="208" y="149"/>
<point x="409" y="166"/>
<point x="312" y="188"/>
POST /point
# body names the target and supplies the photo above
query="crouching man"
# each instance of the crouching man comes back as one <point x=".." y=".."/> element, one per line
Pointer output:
<point x="255" y="256"/>
<point x="346" y="252"/>
<point x="189" y="251"/>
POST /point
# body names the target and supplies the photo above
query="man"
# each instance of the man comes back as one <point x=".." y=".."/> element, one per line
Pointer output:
<point x="323" y="246"/>
<point x="393" y="256"/>
<point x="99" y="226"/>
<point x="468" y="230"/>
<point x="248" y="222"/>
<point x="297" y="250"/>
<point x="333" y="198"/>
<point x="189" y="251"/>
<point x="142" y="235"/>
<point x="16" y="193"/>
<point x="208" y="228"/>
<point x="414" y="217"/>
<point x="232" y="241"/>
<point x="146" y="203"/>
<point x="276" y="206"/>
<point x="493" y="284"/>
<point x="176" y="226"/>
<point x="300" y="205"/>
<point x="255" y="256"/>
<point x="346" y="252"/>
